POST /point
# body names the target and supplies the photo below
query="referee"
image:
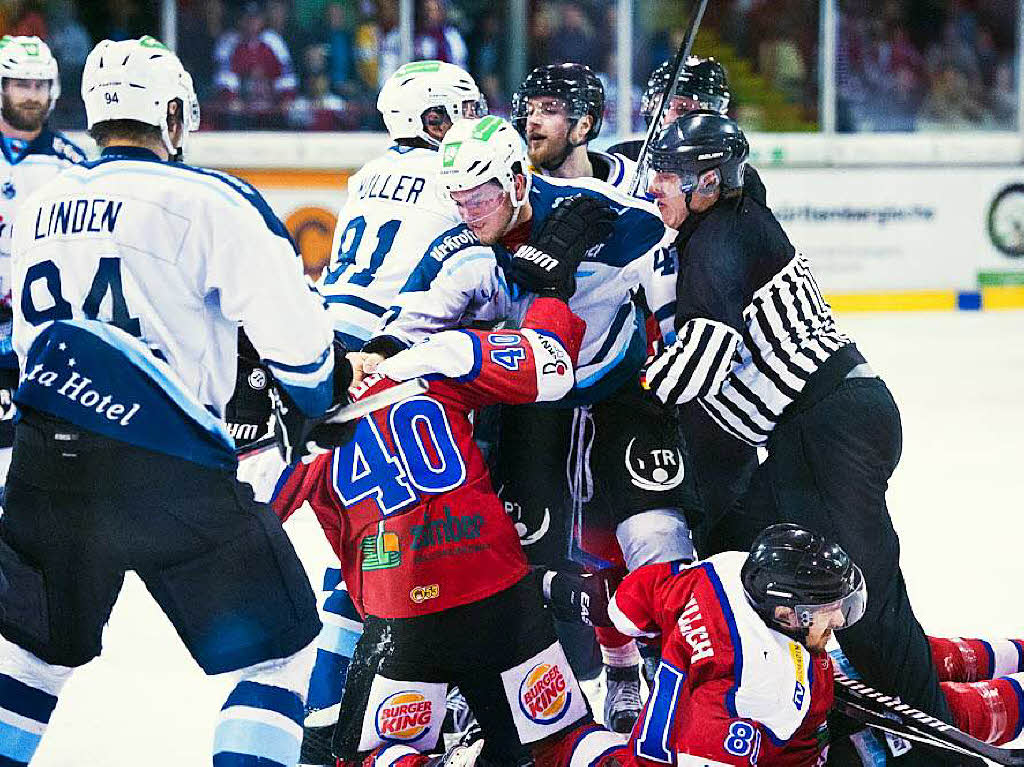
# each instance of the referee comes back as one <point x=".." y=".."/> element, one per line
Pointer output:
<point x="758" y="349"/>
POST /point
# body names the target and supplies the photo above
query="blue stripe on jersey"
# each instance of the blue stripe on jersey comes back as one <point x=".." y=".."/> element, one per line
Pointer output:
<point x="613" y="333"/>
<point x="332" y="579"/>
<point x="267" y="698"/>
<point x="246" y="191"/>
<point x="1020" y="706"/>
<point x="635" y="232"/>
<point x="734" y="635"/>
<point x="308" y="367"/>
<point x="444" y="246"/>
<point x="358" y="303"/>
<point x="86" y="360"/>
<point x="23" y="700"/>
<point x="17" y="745"/>
<point x="244" y="743"/>
<point x="478" y="358"/>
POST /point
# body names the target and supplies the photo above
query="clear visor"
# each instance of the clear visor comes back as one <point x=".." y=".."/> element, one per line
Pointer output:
<point x="475" y="109"/>
<point x="842" y="613"/>
<point x="480" y="202"/>
<point x="663" y="184"/>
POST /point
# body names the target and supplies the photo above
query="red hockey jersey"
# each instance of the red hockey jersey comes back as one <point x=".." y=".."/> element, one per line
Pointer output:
<point x="408" y="504"/>
<point x="730" y="690"/>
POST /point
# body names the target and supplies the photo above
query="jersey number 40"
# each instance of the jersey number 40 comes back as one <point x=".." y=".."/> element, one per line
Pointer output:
<point x="425" y="458"/>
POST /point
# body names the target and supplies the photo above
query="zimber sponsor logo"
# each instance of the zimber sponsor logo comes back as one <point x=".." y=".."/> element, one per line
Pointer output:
<point x="452" y="243"/>
<point x="451" y="529"/>
<point x="404" y="716"/>
<point x="544" y="694"/>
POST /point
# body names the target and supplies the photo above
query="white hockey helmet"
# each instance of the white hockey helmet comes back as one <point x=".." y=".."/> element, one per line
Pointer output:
<point x="136" y="80"/>
<point x="29" y="58"/>
<point x="422" y="85"/>
<point x="477" y="151"/>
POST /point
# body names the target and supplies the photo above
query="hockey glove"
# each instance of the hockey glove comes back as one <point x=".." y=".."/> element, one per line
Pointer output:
<point x="579" y="598"/>
<point x="547" y="263"/>
<point x="248" y="412"/>
<point x="293" y="429"/>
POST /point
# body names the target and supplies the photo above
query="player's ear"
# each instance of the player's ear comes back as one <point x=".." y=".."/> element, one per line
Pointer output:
<point x="175" y="121"/>
<point x="708" y="182"/>
<point x="579" y="131"/>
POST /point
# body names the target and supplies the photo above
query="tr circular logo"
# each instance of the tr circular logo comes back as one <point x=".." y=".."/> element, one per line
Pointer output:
<point x="258" y="379"/>
<point x="1006" y="221"/>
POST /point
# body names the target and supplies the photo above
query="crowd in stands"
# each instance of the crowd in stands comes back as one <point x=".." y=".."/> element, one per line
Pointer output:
<point x="318" y="64"/>
<point x="901" y="70"/>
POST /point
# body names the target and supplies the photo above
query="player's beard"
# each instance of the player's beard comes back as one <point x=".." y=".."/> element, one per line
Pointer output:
<point x="28" y="116"/>
<point x="550" y="154"/>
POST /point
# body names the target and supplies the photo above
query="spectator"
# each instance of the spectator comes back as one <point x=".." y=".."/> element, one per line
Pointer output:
<point x="121" y="14"/>
<point x="366" y="46"/>
<point x="254" y="73"/>
<point x="575" y="40"/>
<point x="279" y="19"/>
<point x="316" y="108"/>
<point x="1004" y="95"/>
<point x="487" y="47"/>
<point x="434" y="37"/>
<point x="952" y="103"/>
<point x="70" y="43"/>
<point x="340" y="52"/>
<point x="30" y="20"/>
<point x="202" y="24"/>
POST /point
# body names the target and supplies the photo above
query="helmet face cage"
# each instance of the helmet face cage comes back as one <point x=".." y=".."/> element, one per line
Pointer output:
<point x="703" y="81"/>
<point x="575" y="84"/>
<point x="29" y="58"/>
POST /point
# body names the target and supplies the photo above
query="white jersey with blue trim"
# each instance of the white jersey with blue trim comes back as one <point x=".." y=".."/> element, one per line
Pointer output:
<point x="459" y="280"/>
<point x="135" y="273"/>
<point x="395" y="208"/>
<point x="21" y="173"/>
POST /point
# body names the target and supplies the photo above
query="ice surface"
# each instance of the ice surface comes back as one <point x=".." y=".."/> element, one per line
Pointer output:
<point x="957" y="501"/>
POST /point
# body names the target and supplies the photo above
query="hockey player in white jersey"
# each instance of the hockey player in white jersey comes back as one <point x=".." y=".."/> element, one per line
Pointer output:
<point x="131" y="275"/>
<point x="30" y="155"/>
<point x="395" y="208"/>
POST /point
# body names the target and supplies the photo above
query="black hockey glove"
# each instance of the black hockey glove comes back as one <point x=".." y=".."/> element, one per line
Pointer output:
<point x="547" y="263"/>
<point x="248" y="412"/>
<point x="294" y="429"/>
<point x="579" y="598"/>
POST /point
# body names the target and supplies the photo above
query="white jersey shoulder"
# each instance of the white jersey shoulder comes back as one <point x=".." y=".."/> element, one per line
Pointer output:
<point x="176" y="257"/>
<point x="774" y="687"/>
<point x="395" y="208"/>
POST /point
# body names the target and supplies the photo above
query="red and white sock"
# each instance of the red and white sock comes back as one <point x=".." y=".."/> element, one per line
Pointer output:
<point x="971" y="660"/>
<point x="617" y="649"/>
<point x="991" y="710"/>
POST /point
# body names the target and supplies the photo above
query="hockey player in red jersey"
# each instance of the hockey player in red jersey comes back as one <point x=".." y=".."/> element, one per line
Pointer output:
<point x="744" y="677"/>
<point x="431" y="559"/>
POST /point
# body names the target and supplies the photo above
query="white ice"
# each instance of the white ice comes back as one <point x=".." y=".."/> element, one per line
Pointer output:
<point x="957" y="500"/>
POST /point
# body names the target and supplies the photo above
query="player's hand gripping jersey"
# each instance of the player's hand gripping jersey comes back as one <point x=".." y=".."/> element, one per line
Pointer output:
<point x="395" y="209"/>
<point x="132" y="276"/>
<point x="408" y="504"/>
<point x="460" y="280"/>
<point x="729" y="690"/>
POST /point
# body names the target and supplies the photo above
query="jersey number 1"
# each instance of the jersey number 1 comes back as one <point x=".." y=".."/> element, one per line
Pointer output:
<point x="348" y="251"/>
<point x="106" y="280"/>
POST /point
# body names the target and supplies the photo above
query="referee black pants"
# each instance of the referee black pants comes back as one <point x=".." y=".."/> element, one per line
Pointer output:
<point x="828" y="468"/>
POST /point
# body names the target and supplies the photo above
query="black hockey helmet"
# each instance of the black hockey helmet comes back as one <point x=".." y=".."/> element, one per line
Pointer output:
<point x="576" y="84"/>
<point x="789" y="566"/>
<point x="699" y="141"/>
<point x="702" y="80"/>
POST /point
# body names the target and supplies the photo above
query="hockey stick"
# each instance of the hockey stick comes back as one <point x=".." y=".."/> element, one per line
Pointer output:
<point x="884" y="712"/>
<point x="347" y="413"/>
<point x="677" y="67"/>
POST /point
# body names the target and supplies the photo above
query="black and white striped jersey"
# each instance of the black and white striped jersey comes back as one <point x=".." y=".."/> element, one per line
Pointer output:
<point x="752" y="325"/>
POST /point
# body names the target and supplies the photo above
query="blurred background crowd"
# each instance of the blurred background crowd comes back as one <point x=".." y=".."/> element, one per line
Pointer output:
<point x="900" y="65"/>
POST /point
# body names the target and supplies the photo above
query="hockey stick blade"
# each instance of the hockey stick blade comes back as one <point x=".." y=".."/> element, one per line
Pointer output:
<point x="677" y="67"/>
<point x="884" y="712"/>
<point x="351" y="412"/>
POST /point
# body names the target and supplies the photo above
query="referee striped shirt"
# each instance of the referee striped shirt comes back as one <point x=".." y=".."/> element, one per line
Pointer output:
<point x="753" y="326"/>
